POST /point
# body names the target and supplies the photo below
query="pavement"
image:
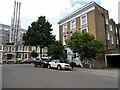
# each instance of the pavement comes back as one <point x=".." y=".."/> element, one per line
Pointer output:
<point x="0" y="76"/>
<point x="104" y="72"/>
<point x="26" y="76"/>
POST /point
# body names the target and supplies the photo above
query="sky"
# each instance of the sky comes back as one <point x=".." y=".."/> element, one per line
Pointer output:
<point x="54" y="10"/>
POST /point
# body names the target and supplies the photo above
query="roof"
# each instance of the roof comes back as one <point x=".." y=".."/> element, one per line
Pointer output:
<point x="80" y="10"/>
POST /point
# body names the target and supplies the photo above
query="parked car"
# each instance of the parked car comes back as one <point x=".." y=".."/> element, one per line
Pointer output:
<point x="26" y="61"/>
<point x="58" y="64"/>
<point x="41" y="62"/>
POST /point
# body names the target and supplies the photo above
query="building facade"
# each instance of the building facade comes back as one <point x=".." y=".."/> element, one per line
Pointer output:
<point x="118" y="35"/>
<point x="5" y="34"/>
<point x="91" y="18"/>
<point x="18" y="52"/>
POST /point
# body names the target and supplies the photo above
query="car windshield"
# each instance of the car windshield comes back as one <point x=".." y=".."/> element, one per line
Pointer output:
<point x="37" y="59"/>
<point x="61" y="61"/>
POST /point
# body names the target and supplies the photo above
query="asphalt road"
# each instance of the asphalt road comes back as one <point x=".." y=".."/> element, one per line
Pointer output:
<point x="26" y="76"/>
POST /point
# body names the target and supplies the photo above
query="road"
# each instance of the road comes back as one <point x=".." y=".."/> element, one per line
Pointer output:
<point x="26" y="76"/>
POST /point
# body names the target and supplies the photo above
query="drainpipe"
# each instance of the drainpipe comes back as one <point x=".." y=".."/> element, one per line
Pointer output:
<point x="105" y="30"/>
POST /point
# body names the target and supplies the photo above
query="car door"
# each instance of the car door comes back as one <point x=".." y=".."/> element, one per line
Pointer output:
<point x="52" y="63"/>
<point x="55" y="64"/>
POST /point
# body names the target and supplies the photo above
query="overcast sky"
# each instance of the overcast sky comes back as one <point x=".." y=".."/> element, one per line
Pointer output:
<point x="54" y="10"/>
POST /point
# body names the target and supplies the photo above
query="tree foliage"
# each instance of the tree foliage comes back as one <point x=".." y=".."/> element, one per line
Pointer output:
<point x="85" y="45"/>
<point x="39" y="34"/>
<point x="56" y="50"/>
<point x="33" y="54"/>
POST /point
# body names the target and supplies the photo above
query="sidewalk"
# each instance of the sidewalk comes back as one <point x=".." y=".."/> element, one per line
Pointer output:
<point x="105" y="72"/>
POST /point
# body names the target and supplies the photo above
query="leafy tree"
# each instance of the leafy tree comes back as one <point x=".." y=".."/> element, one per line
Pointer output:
<point x="39" y="34"/>
<point x="34" y="54"/>
<point x="56" y="50"/>
<point x="85" y="45"/>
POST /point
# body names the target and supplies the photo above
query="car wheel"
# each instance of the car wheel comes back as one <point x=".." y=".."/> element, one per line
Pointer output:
<point x="49" y="66"/>
<point x="41" y="66"/>
<point x="58" y="67"/>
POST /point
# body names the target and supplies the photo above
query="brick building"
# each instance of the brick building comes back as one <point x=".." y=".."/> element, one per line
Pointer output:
<point x="90" y="18"/>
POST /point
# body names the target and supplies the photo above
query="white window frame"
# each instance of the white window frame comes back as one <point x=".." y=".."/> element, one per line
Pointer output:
<point x="12" y="49"/>
<point x="65" y="28"/>
<point x="7" y="49"/>
<point x="38" y="49"/>
<point x="84" y="29"/>
<point x="111" y="28"/>
<point x="85" y="15"/>
<point x="106" y="19"/>
<point x="119" y="30"/>
<point x="112" y="40"/>
<point x="33" y="48"/>
<point x="108" y="36"/>
<point x="73" y="25"/>
<point x="25" y="55"/>
<point x="64" y="33"/>
<point x="116" y="30"/>
<point x="25" y="48"/>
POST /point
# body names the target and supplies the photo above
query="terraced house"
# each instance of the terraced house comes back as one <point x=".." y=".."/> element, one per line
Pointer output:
<point x="18" y="52"/>
<point x="94" y="19"/>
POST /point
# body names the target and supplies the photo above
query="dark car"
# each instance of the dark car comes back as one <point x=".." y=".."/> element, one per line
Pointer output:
<point x="40" y="62"/>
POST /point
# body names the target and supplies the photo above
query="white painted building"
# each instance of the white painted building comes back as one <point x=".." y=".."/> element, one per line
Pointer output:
<point x="23" y="52"/>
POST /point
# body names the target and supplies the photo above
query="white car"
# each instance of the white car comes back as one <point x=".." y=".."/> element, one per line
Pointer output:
<point x="58" y="65"/>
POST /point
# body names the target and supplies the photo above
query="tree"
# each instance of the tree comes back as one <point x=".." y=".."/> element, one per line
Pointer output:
<point x="85" y="45"/>
<point x="34" y="54"/>
<point x="56" y="50"/>
<point x="39" y="34"/>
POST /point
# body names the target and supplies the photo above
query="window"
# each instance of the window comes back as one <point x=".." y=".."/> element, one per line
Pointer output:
<point x="110" y="27"/>
<point x="20" y="48"/>
<point x="64" y="33"/>
<point x="116" y="30"/>
<point x="12" y="49"/>
<point x="38" y="48"/>
<point x="112" y="40"/>
<point x="34" y="48"/>
<point x="65" y="29"/>
<point x="108" y="36"/>
<point x="20" y="56"/>
<point x="84" y="30"/>
<point x="0" y="47"/>
<point x="84" y="20"/>
<point x="26" y="56"/>
<point x="25" y="48"/>
<point x="119" y="30"/>
<point x="7" y="49"/>
<point x="72" y="25"/>
<point x="106" y="19"/>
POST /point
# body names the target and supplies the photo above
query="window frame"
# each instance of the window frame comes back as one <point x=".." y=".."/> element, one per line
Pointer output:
<point x="108" y="36"/>
<point x="111" y="28"/>
<point x="112" y="40"/>
<point x="81" y="18"/>
<point x="84" y="29"/>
